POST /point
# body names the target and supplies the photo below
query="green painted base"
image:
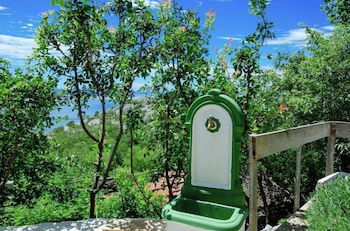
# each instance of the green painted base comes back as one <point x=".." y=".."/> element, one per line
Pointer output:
<point x="175" y="226"/>
<point x="205" y="215"/>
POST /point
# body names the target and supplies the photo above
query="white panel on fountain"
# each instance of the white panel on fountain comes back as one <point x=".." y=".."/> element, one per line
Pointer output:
<point x="211" y="151"/>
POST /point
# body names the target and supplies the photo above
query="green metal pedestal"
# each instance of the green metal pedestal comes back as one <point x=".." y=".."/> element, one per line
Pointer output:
<point x="212" y="197"/>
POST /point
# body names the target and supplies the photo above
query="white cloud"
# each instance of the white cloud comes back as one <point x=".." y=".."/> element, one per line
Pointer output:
<point x="298" y="36"/>
<point x="229" y="38"/>
<point x="30" y="25"/>
<point x="16" y="47"/>
<point x="150" y="3"/>
<point x="295" y="36"/>
<point x="3" y="8"/>
<point x="330" y="28"/>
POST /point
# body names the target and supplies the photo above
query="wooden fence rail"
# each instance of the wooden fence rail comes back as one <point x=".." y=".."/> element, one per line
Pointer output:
<point x="263" y="145"/>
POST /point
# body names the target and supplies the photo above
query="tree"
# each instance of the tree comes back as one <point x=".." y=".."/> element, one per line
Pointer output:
<point x="26" y="101"/>
<point x="237" y="70"/>
<point x="96" y="61"/>
<point x="180" y="70"/>
<point x="319" y="77"/>
<point x="319" y="81"/>
<point x="338" y="11"/>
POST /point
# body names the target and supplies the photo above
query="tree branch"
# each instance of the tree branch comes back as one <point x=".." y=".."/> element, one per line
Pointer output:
<point x="78" y="102"/>
<point x="118" y="138"/>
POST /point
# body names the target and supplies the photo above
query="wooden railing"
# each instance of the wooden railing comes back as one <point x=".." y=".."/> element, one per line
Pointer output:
<point x="263" y="145"/>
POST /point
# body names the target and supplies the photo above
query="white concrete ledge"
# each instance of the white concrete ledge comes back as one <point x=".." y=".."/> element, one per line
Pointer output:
<point x="330" y="178"/>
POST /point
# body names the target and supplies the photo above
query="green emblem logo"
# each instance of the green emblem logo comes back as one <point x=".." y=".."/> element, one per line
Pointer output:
<point x="212" y="124"/>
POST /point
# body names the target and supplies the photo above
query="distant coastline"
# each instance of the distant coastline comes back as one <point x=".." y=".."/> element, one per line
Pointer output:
<point x="93" y="107"/>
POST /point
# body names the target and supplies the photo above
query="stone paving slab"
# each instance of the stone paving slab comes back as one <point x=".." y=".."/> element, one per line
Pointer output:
<point x="95" y="225"/>
<point x="294" y="223"/>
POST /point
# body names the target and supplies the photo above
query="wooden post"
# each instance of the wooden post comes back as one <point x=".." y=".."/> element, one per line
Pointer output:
<point x="331" y="151"/>
<point x="297" y="180"/>
<point x="253" y="186"/>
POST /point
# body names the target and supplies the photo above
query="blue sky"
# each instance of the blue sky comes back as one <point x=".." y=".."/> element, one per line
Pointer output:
<point x="19" y="18"/>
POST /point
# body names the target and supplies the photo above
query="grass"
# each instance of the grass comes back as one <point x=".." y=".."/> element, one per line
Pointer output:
<point x="331" y="207"/>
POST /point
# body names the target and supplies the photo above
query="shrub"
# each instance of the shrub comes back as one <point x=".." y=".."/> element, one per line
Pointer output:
<point x="63" y="198"/>
<point x="26" y="101"/>
<point x="131" y="200"/>
<point x="331" y="207"/>
<point x="46" y="209"/>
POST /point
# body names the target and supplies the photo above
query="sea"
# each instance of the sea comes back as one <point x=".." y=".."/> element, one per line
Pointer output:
<point x="67" y="113"/>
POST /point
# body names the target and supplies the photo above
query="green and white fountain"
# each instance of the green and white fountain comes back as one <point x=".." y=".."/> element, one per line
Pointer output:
<point x="212" y="197"/>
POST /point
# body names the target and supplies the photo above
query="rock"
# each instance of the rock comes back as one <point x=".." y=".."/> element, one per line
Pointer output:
<point x="94" y="122"/>
<point x="267" y="228"/>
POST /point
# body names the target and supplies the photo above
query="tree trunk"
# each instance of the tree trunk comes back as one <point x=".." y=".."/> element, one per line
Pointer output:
<point x="263" y="197"/>
<point x="169" y="185"/>
<point x="166" y="164"/>
<point x="131" y="151"/>
<point x="92" y="204"/>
